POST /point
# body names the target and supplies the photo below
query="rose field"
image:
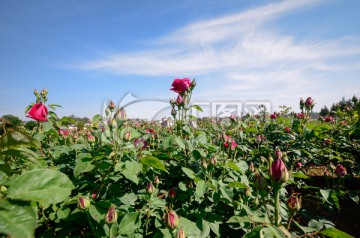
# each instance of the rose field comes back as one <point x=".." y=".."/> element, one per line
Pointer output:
<point x="281" y="174"/>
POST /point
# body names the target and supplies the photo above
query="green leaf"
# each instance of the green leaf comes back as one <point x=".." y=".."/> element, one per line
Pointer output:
<point x="255" y="233"/>
<point x="83" y="165"/>
<point x="40" y="185"/>
<point x="335" y="233"/>
<point x="96" y="118"/>
<point x="234" y="166"/>
<point x="17" y="219"/>
<point x="97" y="212"/>
<point x="128" y="224"/>
<point x="276" y="231"/>
<point x="129" y="199"/>
<point x="21" y="153"/>
<point x="236" y="184"/>
<point x="325" y="194"/>
<point x="189" y="227"/>
<point x="200" y="190"/>
<point x="180" y="142"/>
<point x="300" y="175"/>
<point x="197" y="107"/>
<point x="131" y="171"/>
<point x="16" y="138"/>
<point x="154" y="162"/>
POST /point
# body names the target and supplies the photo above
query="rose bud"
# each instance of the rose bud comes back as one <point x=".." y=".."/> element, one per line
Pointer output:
<point x="127" y="135"/>
<point x="233" y="145"/>
<point x="156" y="180"/>
<point x="278" y="171"/>
<point x="299" y="164"/>
<point x="193" y="84"/>
<point x="204" y="164"/>
<point x="94" y="194"/>
<point x="111" y="216"/>
<point x="248" y="192"/>
<point x="111" y="105"/>
<point x="83" y="203"/>
<point x="260" y="183"/>
<point x="38" y="112"/>
<point x="172" y="193"/>
<point x="309" y="103"/>
<point x="140" y="143"/>
<point x="232" y="117"/>
<point x="340" y="170"/>
<point x="173" y="112"/>
<point x="213" y="161"/>
<point x="302" y="103"/>
<point x="120" y="114"/>
<point x="278" y="153"/>
<point x="251" y="167"/>
<point x="161" y="195"/>
<point x="273" y="116"/>
<point x="181" y="233"/>
<point x="179" y="100"/>
<point x="171" y="219"/>
<point x="150" y="188"/>
<point x="287" y="129"/>
<point x="91" y="138"/>
<point x="294" y="202"/>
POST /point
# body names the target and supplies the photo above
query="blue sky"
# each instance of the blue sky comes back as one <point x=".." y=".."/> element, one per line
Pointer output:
<point x="87" y="52"/>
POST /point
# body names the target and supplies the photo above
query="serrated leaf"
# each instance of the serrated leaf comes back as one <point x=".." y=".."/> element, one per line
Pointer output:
<point x="41" y="185"/>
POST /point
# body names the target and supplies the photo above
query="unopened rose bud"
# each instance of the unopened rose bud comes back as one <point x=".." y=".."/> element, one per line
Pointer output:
<point x="340" y="171"/>
<point x="120" y="114"/>
<point x="173" y="112"/>
<point x="256" y="200"/>
<point x="213" y="161"/>
<point x="302" y="103"/>
<point x="172" y="193"/>
<point x="232" y="117"/>
<point x="179" y="100"/>
<point x="36" y="92"/>
<point x="309" y="103"/>
<point x="83" y="202"/>
<point x="150" y="188"/>
<point x="113" y="124"/>
<point x="127" y="135"/>
<point x="248" y="192"/>
<point x="204" y="164"/>
<point x="95" y="194"/>
<point x="111" y="216"/>
<point x="156" y="181"/>
<point x="193" y="84"/>
<point x="111" y="105"/>
<point x="260" y="183"/>
<point x="294" y="202"/>
<point x="181" y="233"/>
<point x="278" y="171"/>
<point x="251" y="167"/>
<point x="107" y="111"/>
<point x="91" y="138"/>
<point x="171" y="219"/>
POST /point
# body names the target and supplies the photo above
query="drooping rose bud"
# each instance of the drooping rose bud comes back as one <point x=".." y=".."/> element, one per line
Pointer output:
<point x="340" y="170"/>
<point x="181" y="233"/>
<point x="111" y="216"/>
<point x="294" y="202"/>
<point x="83" y="202"/>
<point x="171" y="219"/>
<point x="278" y="171"/>
<point x="127" y="135"/>
<point x="260" y="183"/>
<point x="150" y="188"/>
<point x="172" y="193"/>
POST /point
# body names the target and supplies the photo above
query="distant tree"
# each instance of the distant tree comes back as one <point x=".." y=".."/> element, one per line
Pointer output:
<point x="324" y="111"/>
<point x="9" y="122"/>
<point x="30" y="125"/>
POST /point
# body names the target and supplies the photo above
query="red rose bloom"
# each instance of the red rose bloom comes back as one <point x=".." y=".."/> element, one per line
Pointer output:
<point x="180" y="85"/>
<point x="38" y="112"/>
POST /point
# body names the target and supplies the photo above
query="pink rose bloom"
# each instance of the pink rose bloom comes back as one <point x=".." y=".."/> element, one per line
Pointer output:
<point x="180" y="85"/>
<point x="38" y="112"/>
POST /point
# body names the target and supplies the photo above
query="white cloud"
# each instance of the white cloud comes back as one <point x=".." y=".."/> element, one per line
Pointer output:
<point x="251" y="57"/>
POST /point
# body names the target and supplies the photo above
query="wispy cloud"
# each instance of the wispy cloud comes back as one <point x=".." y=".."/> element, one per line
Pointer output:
<point x="243" y="49"/>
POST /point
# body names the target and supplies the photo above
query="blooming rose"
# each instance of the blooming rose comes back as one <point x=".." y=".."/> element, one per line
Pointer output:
<point x="180" y="85"/>
<point x="38" y="112"/>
